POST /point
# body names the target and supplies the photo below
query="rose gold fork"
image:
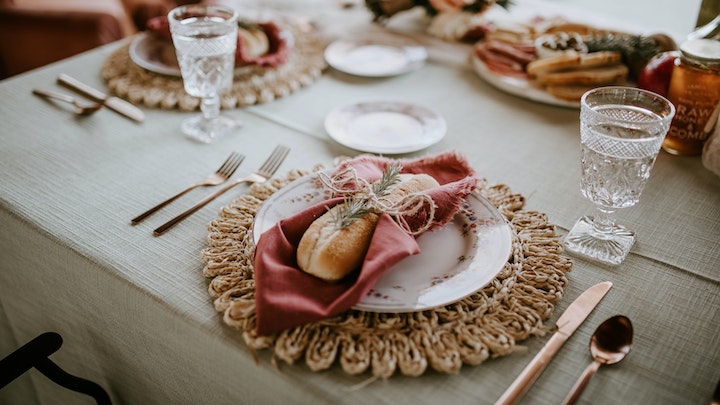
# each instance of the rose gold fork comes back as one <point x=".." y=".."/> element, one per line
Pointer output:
<point x="266" y="171"/>
<point x="221" y="175"/>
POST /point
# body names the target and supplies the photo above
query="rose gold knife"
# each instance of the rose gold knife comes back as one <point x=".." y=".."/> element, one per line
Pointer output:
<point x="115" y="103"/>
<point x="573" y="316"/>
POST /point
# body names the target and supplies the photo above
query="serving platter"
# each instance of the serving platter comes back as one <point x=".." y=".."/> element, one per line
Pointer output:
<point x="454" y="262"/>
<point x="385" y="127"/>
<point x="517" y="86"/>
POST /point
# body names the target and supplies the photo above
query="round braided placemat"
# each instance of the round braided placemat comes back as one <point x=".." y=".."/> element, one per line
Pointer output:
<point x="253" y="85"/>
<point x="488" y="323"/>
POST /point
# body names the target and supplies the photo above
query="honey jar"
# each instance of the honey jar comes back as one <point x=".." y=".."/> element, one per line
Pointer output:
<point x="695" y="92"/>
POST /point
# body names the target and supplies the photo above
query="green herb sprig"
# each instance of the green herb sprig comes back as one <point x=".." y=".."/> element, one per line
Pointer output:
<point x="356" y="207"/>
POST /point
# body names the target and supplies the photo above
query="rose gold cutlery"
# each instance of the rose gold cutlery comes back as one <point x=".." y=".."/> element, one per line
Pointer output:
<point x="609" y="344"/>
<point x="80" y="109"/>
<point x="114" y="103"/>
<point x="568" y="322"/>
<point x="221" y="175"/>
<point x="266" y="171"/>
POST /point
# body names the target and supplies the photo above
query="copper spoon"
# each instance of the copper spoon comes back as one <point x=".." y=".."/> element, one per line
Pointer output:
<point x="609" y="344"/>
<point x="80" y="109"/>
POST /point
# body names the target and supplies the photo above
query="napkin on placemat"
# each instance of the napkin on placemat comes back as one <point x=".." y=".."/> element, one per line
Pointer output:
<point x="287" y="297"/>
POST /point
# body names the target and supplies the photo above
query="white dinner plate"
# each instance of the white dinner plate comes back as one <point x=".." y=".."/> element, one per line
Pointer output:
<point x="385" y="126"/>
<point x="154" y="54"/>
<point x="454" y="262"/>
<point x="380" y="55"/>
<point x="518" y="86"/>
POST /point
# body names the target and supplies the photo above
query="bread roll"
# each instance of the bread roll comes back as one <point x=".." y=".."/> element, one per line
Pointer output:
<point x="331" y="253"/>
<point x="255" y="40"/>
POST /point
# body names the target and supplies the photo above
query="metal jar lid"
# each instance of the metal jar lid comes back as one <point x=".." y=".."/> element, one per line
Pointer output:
<point x="704" y="51"/>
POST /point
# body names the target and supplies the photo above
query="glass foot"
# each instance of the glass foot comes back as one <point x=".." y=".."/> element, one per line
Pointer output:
<point x="607" y="247"/>
<point x="206" y="131"/>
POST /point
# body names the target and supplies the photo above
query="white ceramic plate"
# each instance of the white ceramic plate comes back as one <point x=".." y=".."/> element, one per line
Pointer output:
<point x="518" y="87"/>
<point x="380" y="55"/>
<point x="454" y="262"/>
<point x="154" y="55"/>
<point x="385" y="127"/>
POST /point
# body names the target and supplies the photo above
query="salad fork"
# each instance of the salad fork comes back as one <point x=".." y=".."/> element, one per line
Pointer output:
<point x="266" y="171"/>
<point x="221" y="175"/>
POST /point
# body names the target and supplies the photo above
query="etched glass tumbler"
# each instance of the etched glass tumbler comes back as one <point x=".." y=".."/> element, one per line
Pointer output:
<point x="621" y="131"/>
<point x="205" y="39"/>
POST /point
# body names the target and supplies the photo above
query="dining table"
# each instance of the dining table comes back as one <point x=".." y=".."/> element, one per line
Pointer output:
<point x="134" y="309"/>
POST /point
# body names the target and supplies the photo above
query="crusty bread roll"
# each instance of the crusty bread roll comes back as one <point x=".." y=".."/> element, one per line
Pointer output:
<point x="331" y="253"/>
<point x="255" y="40"/>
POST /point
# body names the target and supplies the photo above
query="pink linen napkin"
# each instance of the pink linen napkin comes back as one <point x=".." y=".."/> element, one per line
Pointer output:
<point x="287" y="297"/>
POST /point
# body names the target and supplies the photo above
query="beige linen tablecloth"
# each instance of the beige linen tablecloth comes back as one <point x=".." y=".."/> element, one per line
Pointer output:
<point x="134" y="310"/>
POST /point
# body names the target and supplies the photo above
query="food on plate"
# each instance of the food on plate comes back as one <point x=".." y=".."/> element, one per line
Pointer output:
<point x="505" y="58"/>
<point x="656" y="74"/>
<point x="596" y="75"/>
<point x="335" y="244"/>
<point x="572" y="61"/>
<point x="259" y="44"/>
<point x="562" y="42"/>
<point x="567" y="76"/>
<point x="636" y="50"/>
<point x="566" y="58"/>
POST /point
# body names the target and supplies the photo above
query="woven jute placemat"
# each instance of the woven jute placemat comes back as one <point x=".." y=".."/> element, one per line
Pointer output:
<point x="486" y="324"/>
<point x="251" y="85"/>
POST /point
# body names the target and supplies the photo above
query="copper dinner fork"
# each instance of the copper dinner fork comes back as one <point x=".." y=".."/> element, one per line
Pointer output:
<point x="263" y="174"/>
<point x="221" y="175"/>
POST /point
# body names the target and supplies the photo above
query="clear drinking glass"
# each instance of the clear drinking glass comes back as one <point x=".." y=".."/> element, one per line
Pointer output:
<point x="621" y="130"/>
<point x="205" y="38"/>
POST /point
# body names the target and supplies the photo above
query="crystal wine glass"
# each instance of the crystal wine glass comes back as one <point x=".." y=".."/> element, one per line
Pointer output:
<point x="621" y="130"/>
<point x="205" y="39"/>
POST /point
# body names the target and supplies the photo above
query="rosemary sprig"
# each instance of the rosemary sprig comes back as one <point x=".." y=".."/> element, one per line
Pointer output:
<point x="357" y="207"/>
<point x="390" y="177"/>
<point x="350" y="211"/>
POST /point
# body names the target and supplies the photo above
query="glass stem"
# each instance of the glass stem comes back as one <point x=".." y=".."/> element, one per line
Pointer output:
<point x="604" y="221"/>
<point x="210" y="107"/>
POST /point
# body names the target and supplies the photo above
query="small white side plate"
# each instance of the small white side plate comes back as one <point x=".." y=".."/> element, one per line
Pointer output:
<point x="376" y="56"/>
<point x="385" y="127"/>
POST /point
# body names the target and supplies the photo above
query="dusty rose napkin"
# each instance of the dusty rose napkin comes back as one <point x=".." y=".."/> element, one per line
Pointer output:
<point x="287" y="297"/>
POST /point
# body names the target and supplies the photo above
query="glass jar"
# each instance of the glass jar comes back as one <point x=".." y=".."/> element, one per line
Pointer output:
<point x="695" y="92"/>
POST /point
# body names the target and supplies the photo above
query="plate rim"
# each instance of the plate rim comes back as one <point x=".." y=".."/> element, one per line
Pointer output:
<point x="139" y="59"/>
<point x="518" y="87"/>
<point x="394" y="41"/>
<point x="436" y="136"/>
<point x="503" y="226"/>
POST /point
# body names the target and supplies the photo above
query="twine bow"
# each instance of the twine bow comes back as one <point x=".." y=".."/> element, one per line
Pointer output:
<point x="347" y="183"/>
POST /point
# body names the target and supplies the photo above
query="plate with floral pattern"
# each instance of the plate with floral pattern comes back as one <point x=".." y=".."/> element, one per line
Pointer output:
<point x="385" y="127"/>
<point x="453" y="262"/>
